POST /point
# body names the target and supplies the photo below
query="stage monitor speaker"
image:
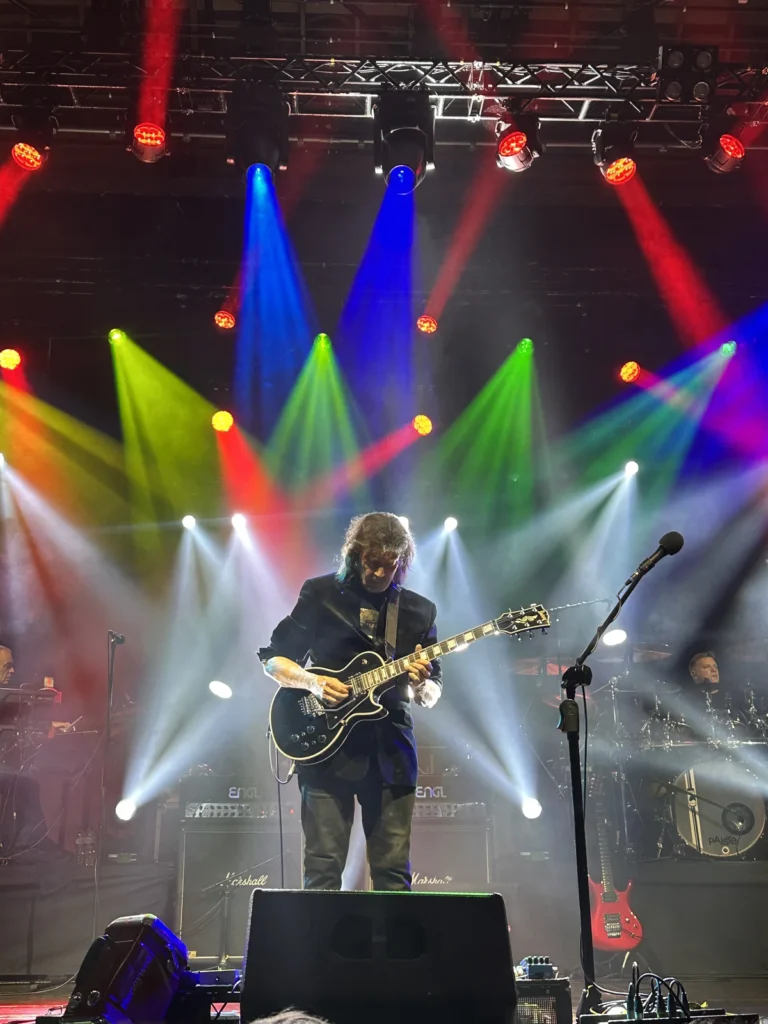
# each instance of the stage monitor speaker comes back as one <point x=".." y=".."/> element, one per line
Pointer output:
<point x="414" y="958"/>
<point x="229" y="858"/>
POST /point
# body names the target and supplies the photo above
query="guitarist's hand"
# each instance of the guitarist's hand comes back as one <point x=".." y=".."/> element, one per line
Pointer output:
<point x="331" y="690"/>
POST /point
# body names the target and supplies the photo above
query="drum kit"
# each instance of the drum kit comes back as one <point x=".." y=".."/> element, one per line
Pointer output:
<point x="688" y="769"/>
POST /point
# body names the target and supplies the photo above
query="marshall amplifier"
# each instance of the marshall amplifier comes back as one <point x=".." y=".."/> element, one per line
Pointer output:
<point x="450" y="857"/>
<point x="229" y="846"/>
<point x="451" y="837"/>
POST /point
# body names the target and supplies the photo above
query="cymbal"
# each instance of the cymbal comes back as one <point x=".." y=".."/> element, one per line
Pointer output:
<point x="642" y="653"/>
<point x="750" y="650"/>
<point x="541" y="666"/>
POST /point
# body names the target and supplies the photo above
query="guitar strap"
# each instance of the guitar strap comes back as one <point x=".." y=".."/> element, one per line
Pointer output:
<point x="390" y="628"/>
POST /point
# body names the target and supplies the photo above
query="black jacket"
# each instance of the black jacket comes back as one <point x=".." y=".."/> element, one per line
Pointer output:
<point x="324" y="628"/>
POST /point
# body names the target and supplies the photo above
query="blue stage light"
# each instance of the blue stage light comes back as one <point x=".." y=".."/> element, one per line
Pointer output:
<point x="402" y="180"/>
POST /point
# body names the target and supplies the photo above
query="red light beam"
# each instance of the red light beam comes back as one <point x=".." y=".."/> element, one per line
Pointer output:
<point x="160" y="31"/>
<point x="356" y="470"/>
<point x="12" y="181"/>
<point x="690" y="304"/>
<point x="482" y="198"/>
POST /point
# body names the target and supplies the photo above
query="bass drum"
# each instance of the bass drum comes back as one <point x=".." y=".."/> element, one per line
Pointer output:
<point x="718" y="807"/>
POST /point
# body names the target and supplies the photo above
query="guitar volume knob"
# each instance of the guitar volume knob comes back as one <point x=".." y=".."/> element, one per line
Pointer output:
<point x="322" y="737"/>
<point x="305" y="745"/>
<point x="294" y="737"/>
<point x="310" y="730"/>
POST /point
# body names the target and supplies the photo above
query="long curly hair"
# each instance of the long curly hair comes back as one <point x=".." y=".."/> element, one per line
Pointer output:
<point x="380" y="532"/>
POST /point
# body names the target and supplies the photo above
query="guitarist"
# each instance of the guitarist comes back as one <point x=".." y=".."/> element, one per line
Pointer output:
<point x="338" y="616"/>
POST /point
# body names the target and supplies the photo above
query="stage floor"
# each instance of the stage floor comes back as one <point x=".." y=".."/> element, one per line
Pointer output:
<point x="737" y="995"/>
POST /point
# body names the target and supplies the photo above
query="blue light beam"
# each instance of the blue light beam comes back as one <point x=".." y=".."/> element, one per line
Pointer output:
<point x="276" y="324"/>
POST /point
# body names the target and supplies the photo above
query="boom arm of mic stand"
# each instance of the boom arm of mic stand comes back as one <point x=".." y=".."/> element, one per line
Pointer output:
<point x="580" y="674"/>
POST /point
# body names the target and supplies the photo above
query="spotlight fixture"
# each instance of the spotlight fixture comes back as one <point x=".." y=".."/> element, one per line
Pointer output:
<point x="116" y="336"/>
<point x="687" y="74"/>
<point x="238" y="521"/>
<point x="257" y="127"/>
<point x="148" y="142"/>
<point x="224" y="319"/>
<point x="531" y="807"/>
<point x="222" y="421"/>
<point x="613" y="150"/>
<point x="630" y="372"/>
<point x="10" y="359"/>
<point x="722" y="147"/>
<point x="27" y="157"/>
<point x="426" y="324"/>
<point x="404" y="138"/>
<point x="525" y="345"/>
<point x="631" y="468"/>
<point x="189" y="522"/>
<point x="35" y="127"/>
<point x="450" y="524"/>
<point x="614" y="637"/>
<point x="126" y="809"/>
<point x="323" y="342"/>
<point x="727" y="349"/>
<point x="517" y="141"/>
<point x="405" y="521"/>
<point x="422" y="424"/>
<point x="221" y="690"/>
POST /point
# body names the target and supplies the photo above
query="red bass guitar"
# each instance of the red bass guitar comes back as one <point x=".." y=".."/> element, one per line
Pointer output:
<point x="615" y="927"/>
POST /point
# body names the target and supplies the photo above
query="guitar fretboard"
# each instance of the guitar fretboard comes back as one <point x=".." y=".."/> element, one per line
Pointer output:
<point x="606" y="870"/>
<point x="392" y="669"/>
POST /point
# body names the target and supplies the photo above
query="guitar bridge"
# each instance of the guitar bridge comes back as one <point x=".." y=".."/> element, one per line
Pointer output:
<point x="311" y="706"/>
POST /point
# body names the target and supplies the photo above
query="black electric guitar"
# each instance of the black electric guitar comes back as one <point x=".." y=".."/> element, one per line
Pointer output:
<point x="308" y="731"/>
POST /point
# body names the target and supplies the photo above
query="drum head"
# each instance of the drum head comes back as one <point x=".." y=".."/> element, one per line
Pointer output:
<point x="719" y="808"/>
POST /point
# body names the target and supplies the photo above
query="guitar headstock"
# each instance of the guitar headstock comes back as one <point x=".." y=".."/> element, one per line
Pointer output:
<point x="535" y="616"/>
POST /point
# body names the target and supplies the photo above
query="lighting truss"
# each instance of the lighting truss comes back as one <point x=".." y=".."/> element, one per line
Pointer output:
<point x="93" y="92"/>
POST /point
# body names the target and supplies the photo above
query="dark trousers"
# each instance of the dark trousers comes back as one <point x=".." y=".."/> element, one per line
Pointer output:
<point x="327" y="812"/>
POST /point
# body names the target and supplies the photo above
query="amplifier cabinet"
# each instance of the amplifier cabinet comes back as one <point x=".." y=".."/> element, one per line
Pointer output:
<point x="448" y="856"/>
<point x="242" y="853"/>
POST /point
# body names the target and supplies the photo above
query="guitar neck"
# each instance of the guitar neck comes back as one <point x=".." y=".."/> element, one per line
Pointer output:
<point x="606" y="870"/>
<point x="392" y="669"/>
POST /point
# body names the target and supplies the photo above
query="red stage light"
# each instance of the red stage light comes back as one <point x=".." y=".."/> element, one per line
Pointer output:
<point x="629" y="372"/>
<point x="148" y="134"/>
<point x="9" y="359"/>
<point x="224" y="319"/>
<point x="512" y="144"/>
<point x="27" y="157"/>
<point x="732" y="147"/>
<point x="620" y="171"/>
<point x="222" y="421"/>
<point x="427" y="324"/>
<point x="148" y="142"/>
<point x="422" y="424"/>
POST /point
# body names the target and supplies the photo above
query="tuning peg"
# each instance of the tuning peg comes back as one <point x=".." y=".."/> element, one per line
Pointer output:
<point x="544" y="631"/>
<point x="530" y="634"/>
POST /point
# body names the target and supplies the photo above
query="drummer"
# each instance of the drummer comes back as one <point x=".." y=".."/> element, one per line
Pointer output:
<point x="705" y="674"/>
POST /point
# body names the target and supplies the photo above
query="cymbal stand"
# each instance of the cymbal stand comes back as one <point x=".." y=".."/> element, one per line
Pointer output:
<point x="620" y="766"/>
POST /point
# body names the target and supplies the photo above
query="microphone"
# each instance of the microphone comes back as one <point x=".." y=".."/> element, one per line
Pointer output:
<point x="116" y="638"/>
<point x="669" y="544"/>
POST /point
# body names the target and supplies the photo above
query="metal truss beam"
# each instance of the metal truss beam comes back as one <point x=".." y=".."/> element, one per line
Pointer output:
<point x="94" y="92"/>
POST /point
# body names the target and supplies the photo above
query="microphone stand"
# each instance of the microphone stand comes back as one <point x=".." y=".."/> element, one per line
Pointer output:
<point x="579" y="675"/>
<point x="113" y="639"/>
